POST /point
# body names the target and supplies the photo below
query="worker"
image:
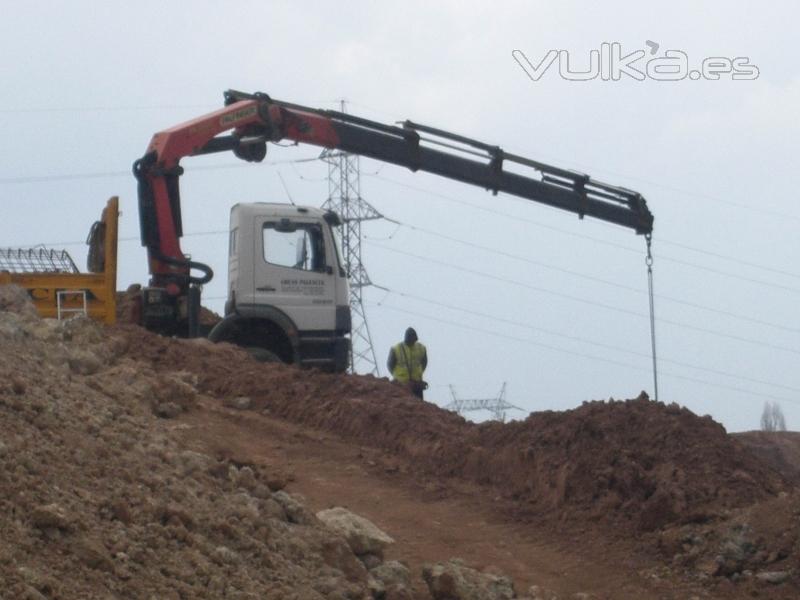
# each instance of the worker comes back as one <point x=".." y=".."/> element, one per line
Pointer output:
<point x="407" y="362"/>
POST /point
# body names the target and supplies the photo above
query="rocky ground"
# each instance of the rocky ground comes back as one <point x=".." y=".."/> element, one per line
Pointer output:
<point x="99" y="501"/>
<point x="135" y="466"/>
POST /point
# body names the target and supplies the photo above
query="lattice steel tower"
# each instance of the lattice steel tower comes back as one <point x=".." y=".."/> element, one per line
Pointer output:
<point x="497" y="405"/>
<point x="344" y="197"/>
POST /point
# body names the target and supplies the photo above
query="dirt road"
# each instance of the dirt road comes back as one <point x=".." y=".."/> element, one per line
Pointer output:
<point x="431" y="519"/>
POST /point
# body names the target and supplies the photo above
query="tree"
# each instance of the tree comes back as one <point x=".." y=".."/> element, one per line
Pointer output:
<point x="772" y="418"/>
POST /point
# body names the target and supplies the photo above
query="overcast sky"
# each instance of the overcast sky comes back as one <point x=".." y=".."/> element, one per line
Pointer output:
<point x="513" y="291"/>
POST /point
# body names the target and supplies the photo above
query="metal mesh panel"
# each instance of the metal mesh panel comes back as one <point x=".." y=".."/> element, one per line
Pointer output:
<point x="36" y="260"/>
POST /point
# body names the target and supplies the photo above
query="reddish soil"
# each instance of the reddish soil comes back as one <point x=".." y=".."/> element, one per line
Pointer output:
<point x="618" y="500"/>
<point x="584" y="483"/>
<point x="430" y="518"/>
<point x="636" y="465"/>
<point x="779" y="449"/>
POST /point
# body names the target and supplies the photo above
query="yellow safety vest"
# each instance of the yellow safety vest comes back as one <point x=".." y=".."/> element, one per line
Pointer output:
<point x="409" y="362"/>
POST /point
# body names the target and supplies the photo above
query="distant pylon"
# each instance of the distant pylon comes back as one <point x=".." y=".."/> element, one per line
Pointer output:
<point x="497" y="406"/>
<point x="344" y="197"/>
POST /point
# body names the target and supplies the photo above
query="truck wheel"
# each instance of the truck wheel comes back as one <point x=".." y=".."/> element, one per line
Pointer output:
<point x="262" y="355"/>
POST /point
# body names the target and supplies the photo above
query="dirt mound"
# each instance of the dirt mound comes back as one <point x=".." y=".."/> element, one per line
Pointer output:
<point x="99" y="501"/>
<point x="780" y="449"/>
<point x="636" y="464"/>
<point x="101" y="496"/>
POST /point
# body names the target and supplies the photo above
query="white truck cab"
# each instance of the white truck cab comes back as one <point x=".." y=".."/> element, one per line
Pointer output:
<point x="288" y="296"/>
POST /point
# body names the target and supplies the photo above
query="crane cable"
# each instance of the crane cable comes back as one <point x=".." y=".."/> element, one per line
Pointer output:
<point x="649" y="262"/>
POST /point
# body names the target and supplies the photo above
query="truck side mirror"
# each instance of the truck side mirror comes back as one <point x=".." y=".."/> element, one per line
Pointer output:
<point x="332" y="219"/>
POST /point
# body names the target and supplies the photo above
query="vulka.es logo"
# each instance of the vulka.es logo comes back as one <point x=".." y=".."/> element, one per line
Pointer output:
<point x="610" y="64"/>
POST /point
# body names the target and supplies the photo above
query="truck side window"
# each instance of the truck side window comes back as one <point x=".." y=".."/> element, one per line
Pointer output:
<point x="232" y="241"/>
<point x="302" y="248"/>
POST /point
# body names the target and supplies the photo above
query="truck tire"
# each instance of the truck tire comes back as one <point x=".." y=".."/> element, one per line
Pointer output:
<point x="262" y="354"/>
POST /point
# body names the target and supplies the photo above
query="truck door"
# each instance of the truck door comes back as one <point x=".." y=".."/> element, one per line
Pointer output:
<point x="296" y="270"/>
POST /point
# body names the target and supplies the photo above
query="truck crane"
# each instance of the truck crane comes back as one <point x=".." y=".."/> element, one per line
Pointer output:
<point x="287" y="287"/>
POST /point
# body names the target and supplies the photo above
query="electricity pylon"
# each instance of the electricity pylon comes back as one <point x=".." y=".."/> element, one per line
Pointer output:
<point x="344" y="197"/>
<point x="497" y="405"/>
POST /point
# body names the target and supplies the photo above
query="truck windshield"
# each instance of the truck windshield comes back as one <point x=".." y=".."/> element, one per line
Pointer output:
<point x="301" y="246"/>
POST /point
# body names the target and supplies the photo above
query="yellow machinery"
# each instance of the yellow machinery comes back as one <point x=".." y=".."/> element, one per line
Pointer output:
<point x="55" y="285"/>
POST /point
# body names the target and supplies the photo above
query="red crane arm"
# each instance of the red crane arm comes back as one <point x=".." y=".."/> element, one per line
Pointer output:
<point x="256" y="119"/>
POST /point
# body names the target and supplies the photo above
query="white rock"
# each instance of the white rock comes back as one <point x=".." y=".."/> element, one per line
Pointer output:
<point x="774" y="577"/>
<point x="362" y="535"/>
<point x="239" y="403"/>
<point x="453" y="579"/>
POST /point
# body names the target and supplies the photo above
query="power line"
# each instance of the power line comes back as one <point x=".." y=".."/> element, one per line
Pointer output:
<point x="759" y="282"/>
<point x="588" y="277"/>
<point x="602" y="241"/>
<point x="110" y="108"/>
<point x="207" y="167"/>
<point x="304" y="178"/>
<point x="429" y="260"/>
<point x="75" y="109"/>
<point x="64" y="177"/>
<point x="676" y="300"/>
<point x="515" y="257"/>
<point x="147" y="107"/>
<point x="114" y="174"/>
<point x="544" y="290"/>
<point x="516" y="323"/>
<point x="729" y="258"/>
<point x="582" y="355"/>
